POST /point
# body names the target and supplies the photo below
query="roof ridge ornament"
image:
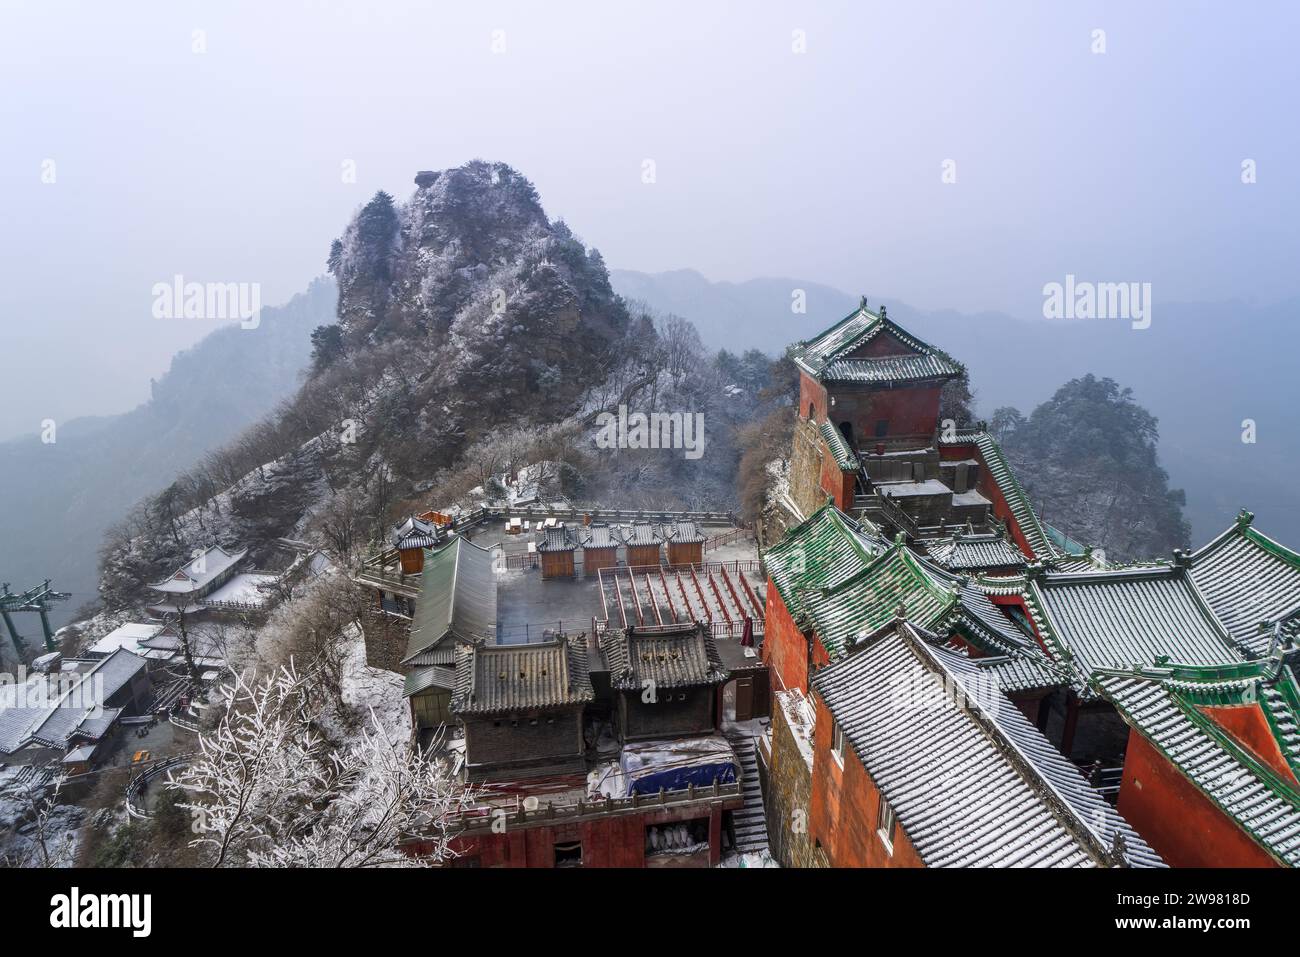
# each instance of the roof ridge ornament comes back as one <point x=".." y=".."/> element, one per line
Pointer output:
<point x="862" y="302"/>
<point x="1244" y="518"/>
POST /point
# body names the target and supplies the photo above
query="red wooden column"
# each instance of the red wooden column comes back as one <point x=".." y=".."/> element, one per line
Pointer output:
<point x="1071" y="722"/>
<point x="715" y="835"/>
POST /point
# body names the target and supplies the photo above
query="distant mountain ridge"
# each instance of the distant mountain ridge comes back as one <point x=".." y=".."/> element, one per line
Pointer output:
<point x="1201" y="369"/>
<point x="62" y="496"/>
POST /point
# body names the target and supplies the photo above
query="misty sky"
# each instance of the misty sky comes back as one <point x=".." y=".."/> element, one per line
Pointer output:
<point x="226" y="165"/>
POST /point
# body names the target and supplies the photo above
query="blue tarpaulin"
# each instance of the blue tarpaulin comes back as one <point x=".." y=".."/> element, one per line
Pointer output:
<point x="676" y="765"/>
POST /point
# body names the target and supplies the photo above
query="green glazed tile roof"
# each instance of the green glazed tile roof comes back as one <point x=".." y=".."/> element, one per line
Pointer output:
<point x="1163" y="705"/>
<point x="458" y="600"/>
<point x="870" y="599"/>
<point x="1247" y="578"/>
<point x="845" y="457"/>
<point x="826" y="356"/>
<point x="1005" y="479"/>
<point x="1126" y="617"/>
<point x="825" y="548"/>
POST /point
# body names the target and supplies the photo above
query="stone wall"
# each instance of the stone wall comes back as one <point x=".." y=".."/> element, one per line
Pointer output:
<point x="806" y="467"/>
<point x="789" y="796"/>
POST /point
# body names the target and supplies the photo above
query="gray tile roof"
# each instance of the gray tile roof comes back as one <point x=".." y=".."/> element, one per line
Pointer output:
<point x="458" y="601"/>
<point x="970" y="552"/>
<point x="600" y="536"/>
<point x="75" y="706"/>
<point x="1126" y="617"/>
<point x="559" y="538"/>
<point x="1162" y="706"/>
<point x="1023" y="672"/>
<point x="640" y="533"/>
<point x="414" y="533"/>
<point x="505" y="679"/>
<point x="682" y="532"/>
<point x="972" y="782"/>
<point x="1248" y="579"/>
<point x="198" y="572"/>
<point x="670" y="656"/>
<point x="889" y="369"/>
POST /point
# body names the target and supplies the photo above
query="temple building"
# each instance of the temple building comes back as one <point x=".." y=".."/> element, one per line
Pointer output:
<point x="665" y="679"/>
<point x="186" y="588"/>
<point x="557" y="546"/>
<point x="457" y="604"/>
<point x="643" y="541"/>
<point x="1211" y="764"/>
<point x="911" y="554"/>
<point x="919" y="760"/>
<point x="600" y="547"/>
<point x="411" y="538"/>
<point x="685" y="542"/>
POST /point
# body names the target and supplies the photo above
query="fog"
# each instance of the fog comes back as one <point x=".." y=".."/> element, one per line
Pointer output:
<point x="215" y="141"/>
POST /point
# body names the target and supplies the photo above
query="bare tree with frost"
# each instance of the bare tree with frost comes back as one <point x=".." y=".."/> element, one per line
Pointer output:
<point x="268" y="791"/>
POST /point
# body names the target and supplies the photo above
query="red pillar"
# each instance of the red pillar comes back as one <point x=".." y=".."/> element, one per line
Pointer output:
<point x="715" y="835"/>
<point x="1071" y="722"/>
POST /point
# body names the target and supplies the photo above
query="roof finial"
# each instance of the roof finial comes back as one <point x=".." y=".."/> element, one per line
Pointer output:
<point x="862" y="303"/>
<point x="882" y="313"/>
<point x="1244" y="517"/>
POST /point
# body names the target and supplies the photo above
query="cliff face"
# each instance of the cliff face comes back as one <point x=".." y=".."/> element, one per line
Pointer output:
<point x="1088" y="459"/>
<point x="461" y="310"/>
<point x="470" y="269"/>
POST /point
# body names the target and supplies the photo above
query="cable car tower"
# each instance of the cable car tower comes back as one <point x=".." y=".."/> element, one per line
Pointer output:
<point x="34" y="599"/>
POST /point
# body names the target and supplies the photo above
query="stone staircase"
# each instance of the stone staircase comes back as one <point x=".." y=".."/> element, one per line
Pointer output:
<point x="749" y="823"/>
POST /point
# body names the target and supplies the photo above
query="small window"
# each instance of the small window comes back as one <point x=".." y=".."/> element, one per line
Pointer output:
<point x="886" y="825"/>
<point x="882" y="428"/>
<point x="568" y="854"/>
<point x="837" y="742"/>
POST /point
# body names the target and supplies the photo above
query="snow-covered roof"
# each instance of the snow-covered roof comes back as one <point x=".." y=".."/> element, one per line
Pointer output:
<point x="415" y="532"/>
<point x="199" y="571"/>
<point x="1172" y="709"/>
<point x="50" y="714"/>
<point x="126" y="636"/>
<point x="972" y="782"/>
<point x="1248" y="580"/>
<point x="1125" y="617"/>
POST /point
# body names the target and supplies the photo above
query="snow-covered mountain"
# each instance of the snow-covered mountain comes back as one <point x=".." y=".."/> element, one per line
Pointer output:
<point x="61" y="496"/>
<point x="461" y="310"/>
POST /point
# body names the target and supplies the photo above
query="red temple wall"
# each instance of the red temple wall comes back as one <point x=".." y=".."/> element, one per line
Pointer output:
<point x="1247" y="724"/>
<point x="785" y="649"/>
<point x="1183" y="826"/>
<point x="845" y="808"/>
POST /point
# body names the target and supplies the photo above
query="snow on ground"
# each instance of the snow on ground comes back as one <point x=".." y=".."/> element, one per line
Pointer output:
<point x="752" y="859"/>
<point x="799" y="716"/>
<point x="18" y="833"/>
<point x="247" y="588"/>
<point x="365" y="688"/>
